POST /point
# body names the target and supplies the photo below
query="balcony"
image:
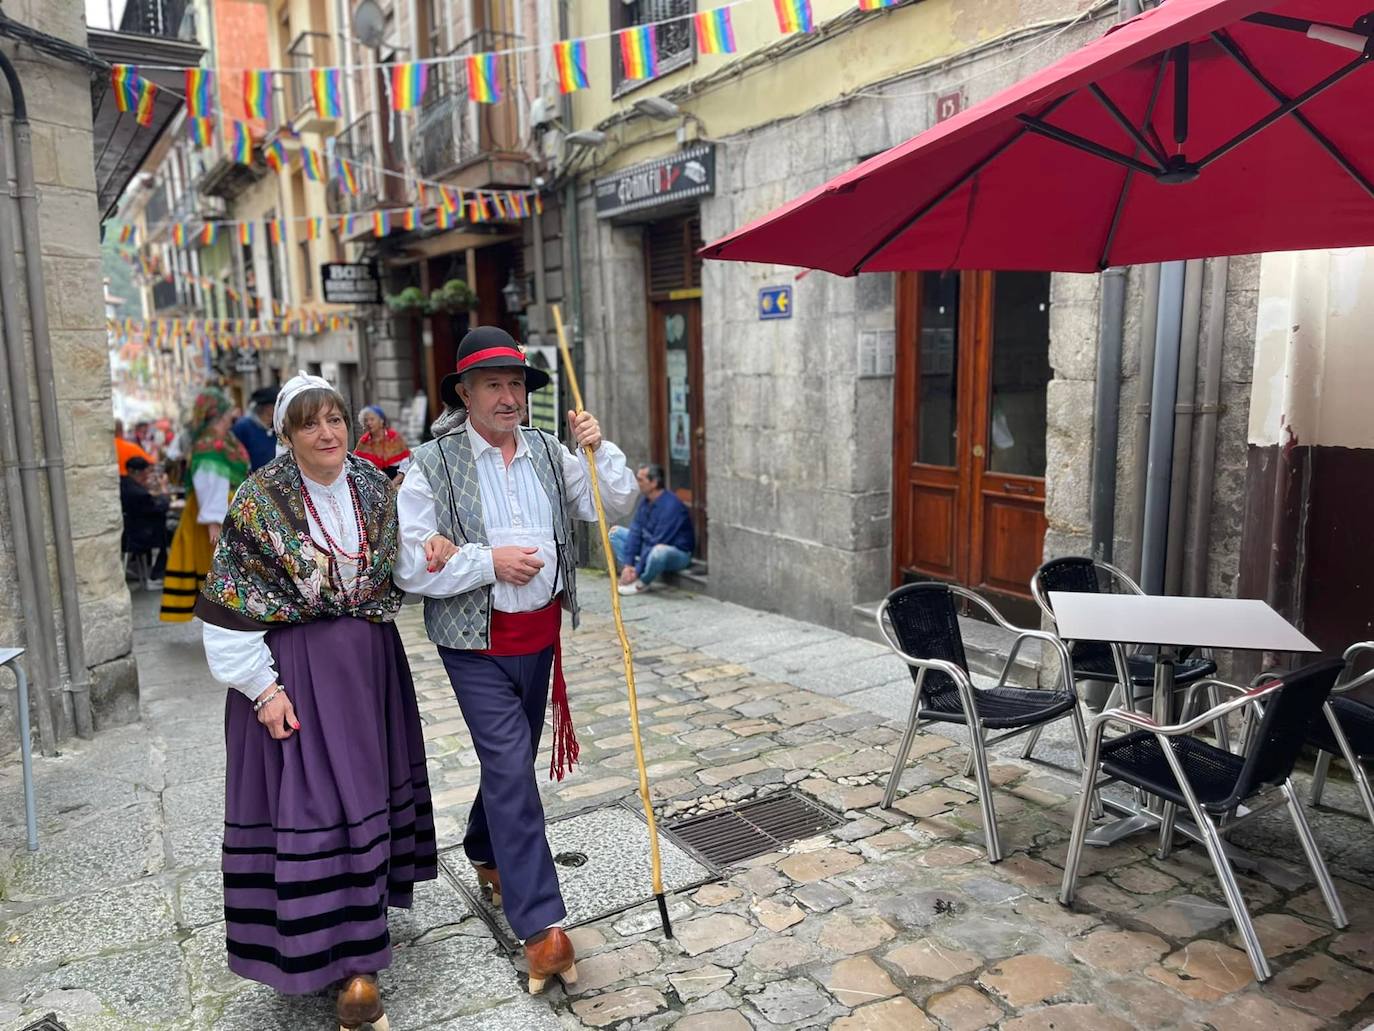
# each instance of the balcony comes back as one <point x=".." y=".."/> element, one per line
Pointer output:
<point x="165" y="296"/>
<point x="162" y="18"/>
<point x="473" y="145"/>
<point x="675" y="44"/>
<point x="308" y="50"/>
<point x="354" y="145"/>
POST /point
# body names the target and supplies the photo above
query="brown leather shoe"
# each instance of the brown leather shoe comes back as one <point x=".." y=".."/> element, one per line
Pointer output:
<point x="548" y="953"/>
<point x="360" y="1003"/>
<point x="489" y="880"/>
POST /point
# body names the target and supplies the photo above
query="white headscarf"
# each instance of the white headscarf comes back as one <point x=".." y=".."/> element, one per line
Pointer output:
<point x="301" y="381"/>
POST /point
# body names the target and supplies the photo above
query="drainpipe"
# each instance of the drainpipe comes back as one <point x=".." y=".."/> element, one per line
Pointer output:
<point x="1160" y="450"/>
<point x="21" y="467"/>
<point x="1106" y="413"/>
<point x="1149" y="319"/>
<point x="1183" y="426"/>
<point x="1209" y="414"/>
<point x="53" y="459"/>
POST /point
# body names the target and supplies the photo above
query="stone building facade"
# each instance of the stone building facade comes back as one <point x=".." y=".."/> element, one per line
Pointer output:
<point x="59" y="107"/>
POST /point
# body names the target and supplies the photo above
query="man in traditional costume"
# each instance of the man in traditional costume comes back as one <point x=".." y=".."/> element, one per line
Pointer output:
<point x="486" y="516"/>
<point x="328" y="819"/>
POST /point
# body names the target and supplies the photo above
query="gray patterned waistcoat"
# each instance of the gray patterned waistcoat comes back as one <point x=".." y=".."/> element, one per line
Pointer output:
<point x="464" y="620"/>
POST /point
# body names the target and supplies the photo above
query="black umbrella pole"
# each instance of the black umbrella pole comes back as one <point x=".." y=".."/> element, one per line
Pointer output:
<point x="625" y="653"/>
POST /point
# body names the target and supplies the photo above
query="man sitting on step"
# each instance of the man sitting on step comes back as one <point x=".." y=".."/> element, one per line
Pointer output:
<point x="660" y="537"/>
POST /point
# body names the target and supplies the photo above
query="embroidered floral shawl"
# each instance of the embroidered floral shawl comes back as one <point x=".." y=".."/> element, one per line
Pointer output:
<point x="268" y="572"/>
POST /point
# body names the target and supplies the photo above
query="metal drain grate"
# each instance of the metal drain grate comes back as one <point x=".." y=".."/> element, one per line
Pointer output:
<point x="752" y="828"/>
<point x="48" y="1023"/>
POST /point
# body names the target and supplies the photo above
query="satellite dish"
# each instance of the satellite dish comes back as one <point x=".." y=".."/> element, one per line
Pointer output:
<point x="369" y="24"/>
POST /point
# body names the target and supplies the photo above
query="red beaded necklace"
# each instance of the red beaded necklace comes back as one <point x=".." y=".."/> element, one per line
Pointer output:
<point x="363" y="553"/>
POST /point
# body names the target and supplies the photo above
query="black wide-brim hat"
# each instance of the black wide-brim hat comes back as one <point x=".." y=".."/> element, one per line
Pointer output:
<point x="489" y="347"/>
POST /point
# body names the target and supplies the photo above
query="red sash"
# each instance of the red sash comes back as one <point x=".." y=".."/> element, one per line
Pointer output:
<point x="523" y="633"/>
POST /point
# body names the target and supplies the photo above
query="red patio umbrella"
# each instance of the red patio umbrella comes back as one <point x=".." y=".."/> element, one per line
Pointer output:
<point x="1199" y="128"/>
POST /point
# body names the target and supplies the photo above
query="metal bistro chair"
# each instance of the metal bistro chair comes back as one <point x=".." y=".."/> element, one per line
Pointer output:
<point x="920" y="622"/>
<point x="1097" y="660"/>
<point x="1213" y="782"/>
<point x="1348" y="729"/>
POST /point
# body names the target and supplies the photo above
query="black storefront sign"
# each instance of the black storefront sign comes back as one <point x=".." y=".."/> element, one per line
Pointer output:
<point x="351" y="283"/>
<point x="688" y="173"/>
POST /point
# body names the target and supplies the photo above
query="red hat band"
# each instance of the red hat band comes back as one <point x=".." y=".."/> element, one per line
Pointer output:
<point x="468" y="361"/>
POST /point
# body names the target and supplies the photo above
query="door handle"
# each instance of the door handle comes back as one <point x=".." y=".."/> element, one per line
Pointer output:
<point x="1019" y="488"/>
<point x="977" y="450"/>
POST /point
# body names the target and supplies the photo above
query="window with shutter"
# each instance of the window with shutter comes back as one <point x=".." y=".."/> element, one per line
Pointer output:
<point x="672" y="259"/>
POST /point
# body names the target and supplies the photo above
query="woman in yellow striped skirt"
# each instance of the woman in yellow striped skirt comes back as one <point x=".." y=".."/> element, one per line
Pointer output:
<point x="218" y="464"/>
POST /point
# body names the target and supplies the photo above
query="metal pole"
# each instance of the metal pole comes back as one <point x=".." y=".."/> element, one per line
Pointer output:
<point x="17" y="457"/>
<point x="1145" y="371"/>
<point x="1183" y="426"/>
<point x="79" y="682"/>
<point x="1106" y="413"/>
<point x="1209" y="413"/>
<point x="21" y="683"/>
<point x="1159" y="456"/>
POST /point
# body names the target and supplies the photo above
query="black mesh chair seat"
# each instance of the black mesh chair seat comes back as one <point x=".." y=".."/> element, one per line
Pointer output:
<point x="1097" y="664"/>
<point x="999" y="708"/>
<point x="1138" y="759"/>
<point x="1357" y="723"/>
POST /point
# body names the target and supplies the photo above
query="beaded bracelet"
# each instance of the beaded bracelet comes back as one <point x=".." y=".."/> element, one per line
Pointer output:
<point x="257" y="706"/>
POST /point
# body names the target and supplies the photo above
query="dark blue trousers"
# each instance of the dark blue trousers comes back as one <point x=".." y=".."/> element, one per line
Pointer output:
<point x="503" y="699"/>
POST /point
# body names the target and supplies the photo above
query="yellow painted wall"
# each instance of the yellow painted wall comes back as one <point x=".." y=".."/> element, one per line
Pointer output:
<point x="851" y="53"/>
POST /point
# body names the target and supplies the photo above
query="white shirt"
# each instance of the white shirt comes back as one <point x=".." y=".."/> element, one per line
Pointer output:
<point x="212" y="496"/>
<point x="515" y="511"/>
<point x="241" y="658"/>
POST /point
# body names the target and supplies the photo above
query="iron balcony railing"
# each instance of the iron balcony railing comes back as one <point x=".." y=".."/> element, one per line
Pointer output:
<point x="453" y="130"/>
<point x="165" y="296"/>
<point x="154" y="18"/>
<point x="354" y="145"/>
<point x="674" y="42"/>
<point x="308" y="50"/>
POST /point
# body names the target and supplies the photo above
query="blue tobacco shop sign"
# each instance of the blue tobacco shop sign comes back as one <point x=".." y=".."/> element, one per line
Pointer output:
<point x="775" y="302"/>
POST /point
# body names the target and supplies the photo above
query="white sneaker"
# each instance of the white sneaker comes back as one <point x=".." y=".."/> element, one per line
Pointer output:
<point x="634" y="587"/>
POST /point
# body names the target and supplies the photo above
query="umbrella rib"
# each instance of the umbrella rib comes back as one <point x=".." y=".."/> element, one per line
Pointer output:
<point x="1284" y="109"/>
<point x="1120" y="117"/>
<point x="1104" y="261"/>
<point x="1069" y="139"/>
<point x="1224" y="40"/>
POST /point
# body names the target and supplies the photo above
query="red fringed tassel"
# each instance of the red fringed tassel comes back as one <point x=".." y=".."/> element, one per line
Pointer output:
<point x="565" y="747"/>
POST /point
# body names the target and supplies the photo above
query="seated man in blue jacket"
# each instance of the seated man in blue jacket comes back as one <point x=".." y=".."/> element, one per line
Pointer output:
<point x="659" y="539"/>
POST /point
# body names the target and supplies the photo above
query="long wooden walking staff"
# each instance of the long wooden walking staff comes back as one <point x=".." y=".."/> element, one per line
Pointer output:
<point x="624" y="641"/>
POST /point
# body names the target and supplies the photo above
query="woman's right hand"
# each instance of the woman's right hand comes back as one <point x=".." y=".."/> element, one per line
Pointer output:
<point x="214" y="530"/>
<point x="279" y="716"/>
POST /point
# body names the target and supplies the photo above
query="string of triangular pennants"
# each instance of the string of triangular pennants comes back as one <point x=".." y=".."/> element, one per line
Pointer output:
<point x="407" y="82"/>
<point x="151" y="269"/>
<point x="223" y="334"/>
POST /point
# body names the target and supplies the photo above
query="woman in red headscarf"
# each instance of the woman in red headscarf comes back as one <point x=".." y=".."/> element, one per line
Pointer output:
<point x="381" y="445"/>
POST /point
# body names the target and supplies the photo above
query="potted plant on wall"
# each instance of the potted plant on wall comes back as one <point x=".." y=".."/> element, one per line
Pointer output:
<point x="453" y="297"/>
<point x="410" y="301"/>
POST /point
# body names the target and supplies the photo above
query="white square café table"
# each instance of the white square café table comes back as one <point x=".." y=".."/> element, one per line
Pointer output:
<point x="1169" y="623"/>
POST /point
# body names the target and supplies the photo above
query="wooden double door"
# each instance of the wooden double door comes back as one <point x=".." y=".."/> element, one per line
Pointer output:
<point x="972" y="368"/>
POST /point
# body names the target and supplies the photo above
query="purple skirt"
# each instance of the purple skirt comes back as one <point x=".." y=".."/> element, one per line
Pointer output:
<point x="325" y="830"/>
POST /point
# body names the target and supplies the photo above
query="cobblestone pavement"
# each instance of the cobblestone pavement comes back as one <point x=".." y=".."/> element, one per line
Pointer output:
<point x="892" y="921"/>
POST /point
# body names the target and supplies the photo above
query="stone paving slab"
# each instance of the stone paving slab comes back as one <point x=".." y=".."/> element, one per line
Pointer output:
<point x="893" y="920"/>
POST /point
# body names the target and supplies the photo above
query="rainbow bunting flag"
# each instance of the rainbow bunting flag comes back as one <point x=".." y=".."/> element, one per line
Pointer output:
<point x="201" y="131"/>
<point x="327" y="89"/>
<point x="314" y="228"/>
<point x="447" y="201"/>
<point x="715" y="32"/>
<point x="483" y="84"/>
<point x="483" y="212"/>
<point x="179" y="234"/>
<point x="793" y="16"/>
<point x="209" y="233"/>
<point x="126" y="234"/>
<point x="498" y="202"/>
<point x="257" y="94"/>
<point x="348" y="224"/>
<point x="381" y="223"/>
<point x="521" y="204"/>
<point x="408" y="218"/>
<point x="570" y="58"/>
<point x="200" y="94"/>
<point x="638" y="52"/>
<point x="133" y="93"/>
<point x="343" y="171"/>
<point x="275" y="155"/>
<point x="876" y="5"/>
<point x="246" y="234"/>
<point x="408" y="82"/>
<point x="241" y="144"/>
<point x="273" y="229"/>
<point x="443" y="218"/>
<point x="314" y="165"/>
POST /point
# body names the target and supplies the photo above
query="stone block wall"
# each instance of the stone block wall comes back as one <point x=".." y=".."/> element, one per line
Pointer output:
<point x="59" y="103"/>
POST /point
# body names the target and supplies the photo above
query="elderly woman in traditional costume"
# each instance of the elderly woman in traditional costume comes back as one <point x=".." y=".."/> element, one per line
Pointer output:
<point x="380" y="444"/>
<point x="328" y="820"/>
<point x="218" y="464"/>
